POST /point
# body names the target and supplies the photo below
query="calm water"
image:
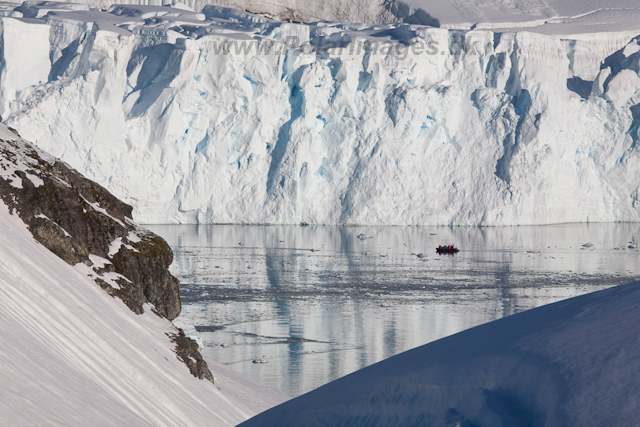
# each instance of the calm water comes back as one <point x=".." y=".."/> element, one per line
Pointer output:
<point x="316" y="303"/>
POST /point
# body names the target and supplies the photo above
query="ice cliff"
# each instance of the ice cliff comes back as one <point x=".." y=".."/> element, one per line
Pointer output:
<point x="227" y="117"/>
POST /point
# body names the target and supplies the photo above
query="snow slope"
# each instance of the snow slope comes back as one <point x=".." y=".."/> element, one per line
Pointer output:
<point x="572" y="363"/>
<point x="228" y="117"/>
<point x="72" y="355"/>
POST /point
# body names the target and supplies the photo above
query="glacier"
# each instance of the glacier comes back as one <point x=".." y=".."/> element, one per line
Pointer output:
<point x="546" y="16"/>
<point x="223" y="116"/>
<point x="293" y="10"/>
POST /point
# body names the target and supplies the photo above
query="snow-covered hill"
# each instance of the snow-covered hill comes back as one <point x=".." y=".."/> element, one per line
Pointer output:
<point x="228" y="117"/>
<point x="572" y="363"/>
<point x="71" y="353"/>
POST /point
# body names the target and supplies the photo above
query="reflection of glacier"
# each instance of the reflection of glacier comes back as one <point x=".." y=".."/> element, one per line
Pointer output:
<point x="319" y="315"/>
<point x="495" y="128"/>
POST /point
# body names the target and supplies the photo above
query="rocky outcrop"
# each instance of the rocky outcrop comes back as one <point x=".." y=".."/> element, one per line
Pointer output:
<point x="187" y="351"/>
<point x="81" y="222"/>
<point x="88" y="227"/>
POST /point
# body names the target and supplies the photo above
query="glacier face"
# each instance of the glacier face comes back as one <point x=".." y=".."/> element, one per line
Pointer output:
<point x="227" y="117"/>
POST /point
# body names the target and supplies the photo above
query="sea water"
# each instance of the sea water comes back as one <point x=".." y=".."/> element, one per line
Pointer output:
<point x="295" y="307"/>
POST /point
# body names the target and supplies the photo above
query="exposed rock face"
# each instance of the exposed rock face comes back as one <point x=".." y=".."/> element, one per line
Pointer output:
<point x="81" y="222"/>
<point x="187" y="351"/>
<point x="75" y="218"/>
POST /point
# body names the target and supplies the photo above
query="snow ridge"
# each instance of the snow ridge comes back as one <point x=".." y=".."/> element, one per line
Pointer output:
<point x="569" y="363"/>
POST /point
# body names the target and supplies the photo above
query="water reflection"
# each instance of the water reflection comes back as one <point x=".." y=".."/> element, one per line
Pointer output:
<point x="317" y="303"/>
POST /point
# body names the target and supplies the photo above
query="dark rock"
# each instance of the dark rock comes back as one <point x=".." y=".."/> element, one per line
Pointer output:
<point x="187" y="352"/>
<point x="79" y="220"/>
<point x="74" y="217"/>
